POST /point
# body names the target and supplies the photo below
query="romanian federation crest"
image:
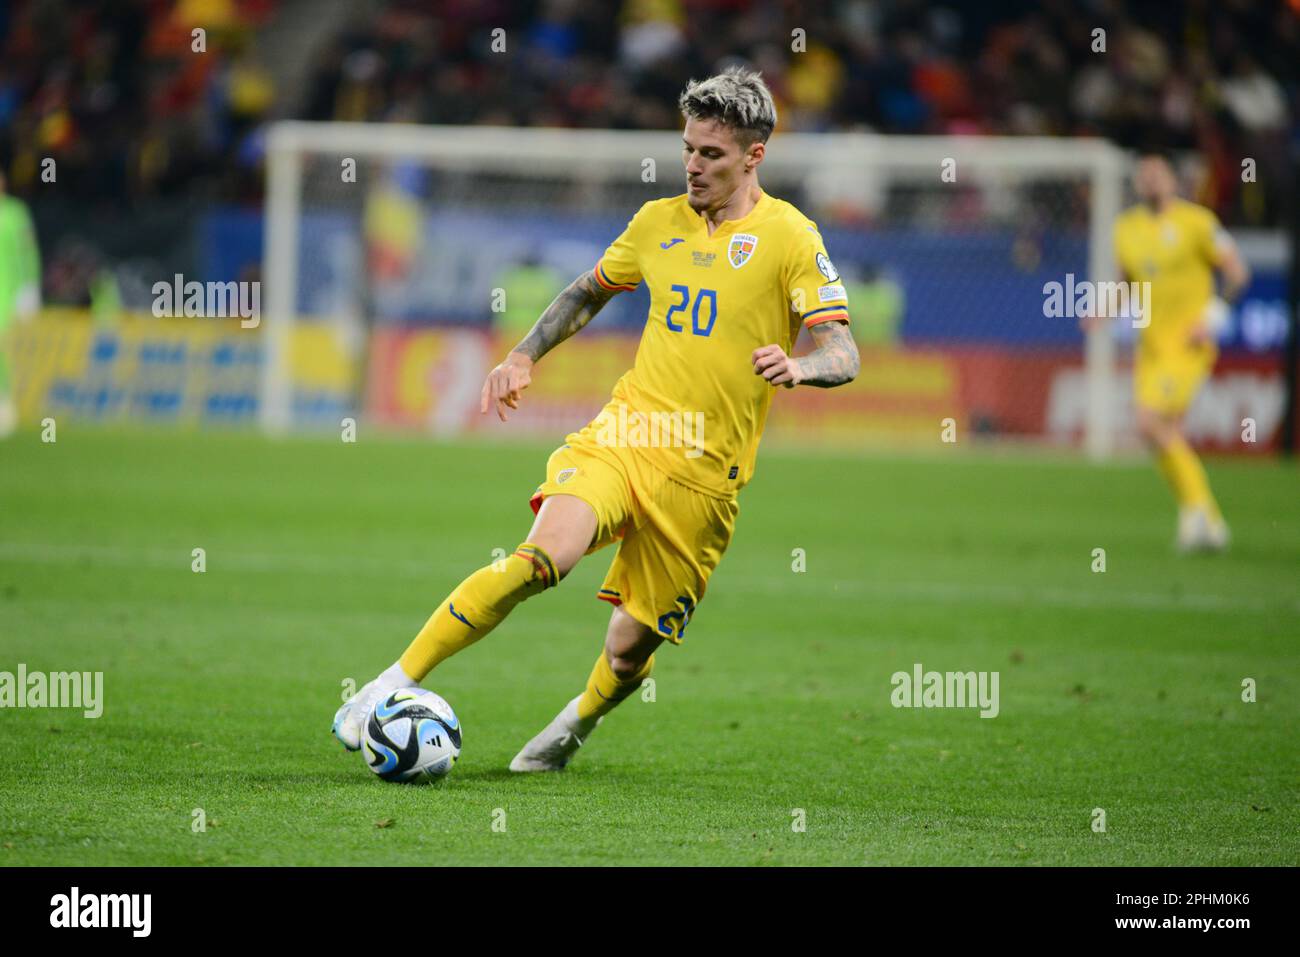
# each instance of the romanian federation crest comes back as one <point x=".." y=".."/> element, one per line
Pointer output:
<point x="741" y="248"/>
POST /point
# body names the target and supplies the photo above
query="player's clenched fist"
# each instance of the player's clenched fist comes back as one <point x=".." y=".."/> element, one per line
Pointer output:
<point x="505" y="382"/>
<point x="775" y="366"/>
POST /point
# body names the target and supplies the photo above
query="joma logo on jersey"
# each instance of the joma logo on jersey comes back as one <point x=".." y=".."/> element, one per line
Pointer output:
<point x="741" y="248"/>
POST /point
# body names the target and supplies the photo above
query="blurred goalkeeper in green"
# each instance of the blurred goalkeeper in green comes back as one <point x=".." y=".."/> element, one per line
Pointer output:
<point x="20" y="290"/>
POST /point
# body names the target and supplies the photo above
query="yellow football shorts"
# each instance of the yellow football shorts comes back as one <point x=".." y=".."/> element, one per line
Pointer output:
<point x="1167" y="382"/>
<point x="671" y="536"/>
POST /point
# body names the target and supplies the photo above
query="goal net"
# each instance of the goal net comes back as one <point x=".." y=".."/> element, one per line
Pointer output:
<point x="418" y="255"/>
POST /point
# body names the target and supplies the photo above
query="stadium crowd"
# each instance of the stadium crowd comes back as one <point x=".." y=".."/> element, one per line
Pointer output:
<point x="111" y="90"/>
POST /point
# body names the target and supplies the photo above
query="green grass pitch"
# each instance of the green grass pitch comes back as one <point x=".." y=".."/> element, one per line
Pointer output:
<point x="1119" y="690"/>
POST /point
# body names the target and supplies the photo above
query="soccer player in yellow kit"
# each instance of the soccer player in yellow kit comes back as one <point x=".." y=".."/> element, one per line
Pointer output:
<point x="733" y="274"/>
<point x="1176" y="246"/>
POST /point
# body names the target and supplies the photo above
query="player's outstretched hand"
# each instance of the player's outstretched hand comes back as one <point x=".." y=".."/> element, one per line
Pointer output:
<point x="506" y="382"/>
<point x="1211" y="324"/>
<point x="775" y="366"/>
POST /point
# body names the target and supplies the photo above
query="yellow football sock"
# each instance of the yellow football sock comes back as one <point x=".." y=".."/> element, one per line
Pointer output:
<point x="605" y="690"/>
<point x="476" y="606"/>
<point x="1186" y="476"/>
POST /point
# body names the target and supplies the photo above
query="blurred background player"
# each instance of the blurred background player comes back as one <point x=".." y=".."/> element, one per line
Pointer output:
<point x="20" y="289"/>
<point x="1176" y="246"/>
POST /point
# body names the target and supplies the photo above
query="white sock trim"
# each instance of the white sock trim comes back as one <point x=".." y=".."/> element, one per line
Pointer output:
<point x="395" y="677"/>
<point x="577" y="725"/>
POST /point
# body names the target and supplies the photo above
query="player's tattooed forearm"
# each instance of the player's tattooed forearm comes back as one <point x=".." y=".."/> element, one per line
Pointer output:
<point x="571" y="310"/>
<point x="834" y="361"/>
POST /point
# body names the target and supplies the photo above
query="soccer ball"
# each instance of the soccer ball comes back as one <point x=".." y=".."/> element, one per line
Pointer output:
<point x="412" y="735"/>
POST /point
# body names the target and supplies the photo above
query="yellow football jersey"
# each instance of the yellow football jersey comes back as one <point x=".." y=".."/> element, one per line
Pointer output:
<point x="1175" y="251"/>
<point x="713" y="301"/>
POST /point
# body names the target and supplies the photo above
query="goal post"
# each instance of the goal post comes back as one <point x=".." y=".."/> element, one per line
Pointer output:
<point x="374" y="228"/>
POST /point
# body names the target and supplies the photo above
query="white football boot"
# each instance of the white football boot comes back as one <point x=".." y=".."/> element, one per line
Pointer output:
<point x="350" y="720"/>
<point x="8" y="416"/>
<point x="1199" y="532"/>
<point x="1192" y="529"/>
<point x="1217" y="535"/>
<point x="558" y="742"/>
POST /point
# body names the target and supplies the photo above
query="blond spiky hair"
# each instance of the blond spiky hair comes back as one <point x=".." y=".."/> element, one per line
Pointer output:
<point x="737" y="98"/>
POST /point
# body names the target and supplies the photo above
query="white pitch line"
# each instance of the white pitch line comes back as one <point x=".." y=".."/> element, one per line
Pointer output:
<point x="179" y="559"/>
<point x="935" y="591"/>
<point x="1055" y="596"/>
